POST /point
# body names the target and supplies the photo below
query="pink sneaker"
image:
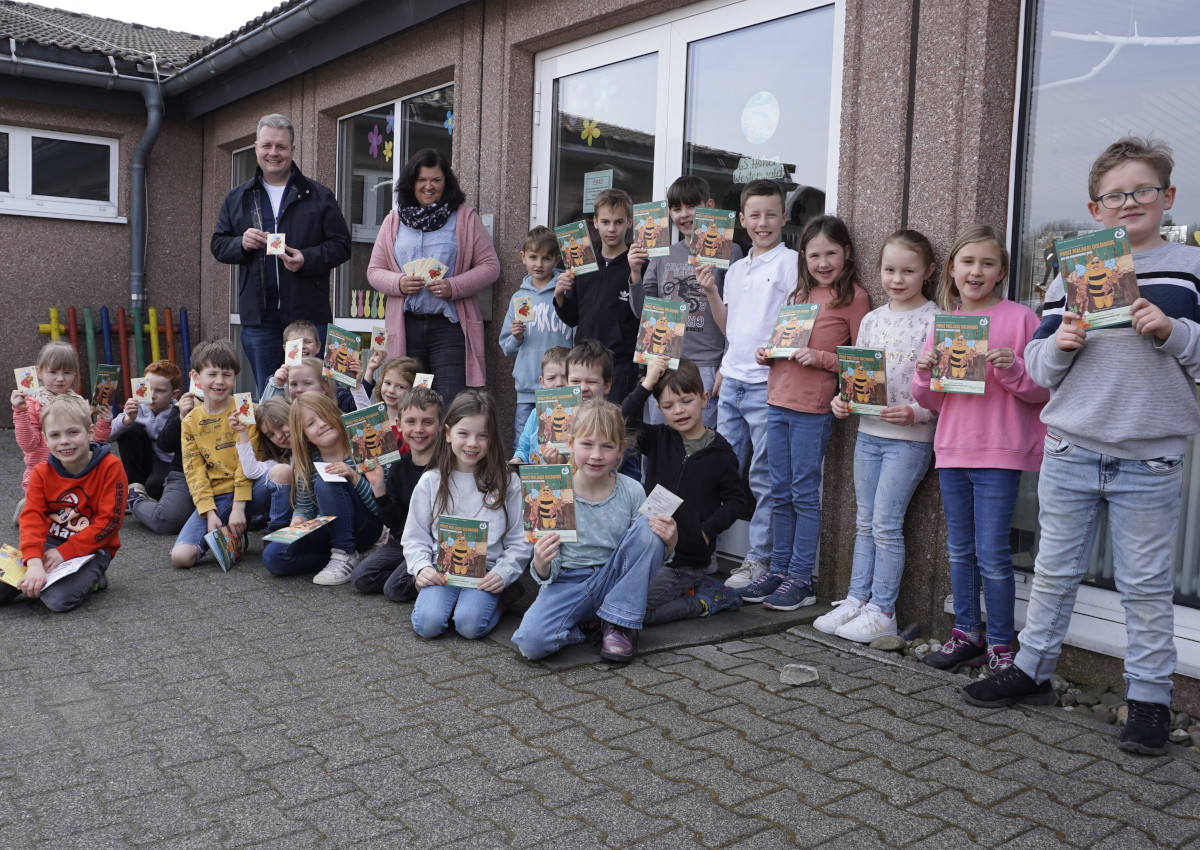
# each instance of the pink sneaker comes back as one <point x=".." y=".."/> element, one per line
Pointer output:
<point x="617" y="643"/>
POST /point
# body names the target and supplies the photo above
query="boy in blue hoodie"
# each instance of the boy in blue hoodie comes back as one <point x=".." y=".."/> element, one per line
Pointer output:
<point x="528" y="334"/>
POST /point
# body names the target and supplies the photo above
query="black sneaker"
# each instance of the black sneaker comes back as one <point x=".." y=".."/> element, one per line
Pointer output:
<point x="1007" y="686"/>
<point x="1146" y="729"/>
<point x="957" y="653"/>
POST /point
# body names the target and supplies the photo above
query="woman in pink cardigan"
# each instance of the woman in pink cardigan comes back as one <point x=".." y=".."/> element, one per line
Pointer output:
<point x="437" y="321"/>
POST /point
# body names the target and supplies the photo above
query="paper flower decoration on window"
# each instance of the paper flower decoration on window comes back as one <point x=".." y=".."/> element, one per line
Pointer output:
<point x="375" y="139"/>
<point x="387" y="151"/>
<point x="603" y="92"/>
<point x="591" y="130"/>
<point x="391" y="121"/>
<point x="449" y="122"/>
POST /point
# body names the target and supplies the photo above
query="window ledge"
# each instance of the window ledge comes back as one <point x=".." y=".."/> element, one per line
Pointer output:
<point x="11" y="209"/>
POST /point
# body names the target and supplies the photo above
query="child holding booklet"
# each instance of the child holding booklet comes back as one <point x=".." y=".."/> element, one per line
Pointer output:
<point x="310" y="346"/>
<point x="168" y="513"/>
<point x="269" y="457"/>
<point x="607" y="571"/>
<point x="983" y="444"/>
<point x="74" y="506"/>
<point x="136" y="430"/>
<point x="468" y="478"/>
<point x="332" y="550"/>
<point x="894" y="448"/>
<point x="309" y="376"/>
<point x="554" y="375"/>
<point x="799" y="390"/>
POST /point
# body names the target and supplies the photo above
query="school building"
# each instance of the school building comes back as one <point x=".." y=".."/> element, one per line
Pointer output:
<point x="118" y="143"/>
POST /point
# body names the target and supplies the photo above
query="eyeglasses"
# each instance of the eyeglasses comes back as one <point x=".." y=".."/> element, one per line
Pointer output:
<point x="1116" y="200"/>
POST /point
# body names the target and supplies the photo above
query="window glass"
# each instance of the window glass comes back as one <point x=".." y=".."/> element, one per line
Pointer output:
<point x="4" y="163"/>
<point x="429" y="122"/>
<point x="244" y="165"/>
<point x="62" y="168"/>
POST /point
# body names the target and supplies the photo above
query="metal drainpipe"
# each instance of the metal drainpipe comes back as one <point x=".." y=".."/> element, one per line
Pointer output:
<point x="138" y="196"/>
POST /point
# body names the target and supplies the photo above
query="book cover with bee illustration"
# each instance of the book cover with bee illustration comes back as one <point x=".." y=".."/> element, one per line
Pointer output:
<point x="12" y="565"/>
<point x="462" y="550"/>
<point x="226" y="547"/>
<point x="555" y="409"/>
<point x="661" y="331"/>
<point x="27" y="378"/>
<point x="961" y="343"/>
<point x="371" y="437"/>
<point x="576" y="246"/>
<point x="548" y="498"/>
<point x="341" y="346"/>
<point x="1098" y="276"/>
<point x="291" y="533"/>
<point x="862" y="374"/>
<point x="712" y="237"/>
<point x="522" y="308"/>
<point x="652" y="228"/>
<point x="105" y="394"/>
<point x="793" y="327"/>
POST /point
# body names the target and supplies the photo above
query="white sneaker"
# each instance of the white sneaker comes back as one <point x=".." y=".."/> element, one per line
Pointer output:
<point x="746" y="573"/>
<point x="843" y="612"/>
<point x="338" y="570"/>
<point x="868" y="625"/>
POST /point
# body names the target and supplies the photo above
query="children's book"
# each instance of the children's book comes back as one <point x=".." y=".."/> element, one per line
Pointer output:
<point x="548" y="495"/>
<point x="371" y="439"/>
<point x="12" y="565"/>
<point x="961" y="343"/>
<point x="661" y="332"/>
<point x="226" y="547"/>
<point x="426" y="268"/>
<point x="712" y="238"/>
<point x="576" y="245"/>
<point x="108" y="377"/>
<point x="243" y="407"/>
<point x="341" y="346"/>
<point x="462" y="550"/>
<point x="292" y="533"/>
<point x="652" y="228"/>
<point x="378" y="338"/>
<point x="660" y="502"/>
<point x="863" y="373"/>
<point x="1098" y="276"/>
<point x="423" y="379"/>
<point x="793" y="327"/>
<point x="522" y="308"/>
<point x="293" y="352"/>
<point x="555" y="409"/>
<point x="27" y="378"/>
<point x="140" y="389"/>
<point x="276" y="243"/>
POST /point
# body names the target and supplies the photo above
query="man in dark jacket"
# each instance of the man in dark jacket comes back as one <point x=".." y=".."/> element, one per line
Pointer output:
<point x="277" y="289"/>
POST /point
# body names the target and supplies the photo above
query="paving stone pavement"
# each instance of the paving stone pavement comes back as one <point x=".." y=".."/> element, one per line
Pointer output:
<point x="198" y="709"/>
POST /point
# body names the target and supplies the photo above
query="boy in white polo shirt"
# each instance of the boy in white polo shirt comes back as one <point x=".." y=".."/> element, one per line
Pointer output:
<point x="755" y="288"/>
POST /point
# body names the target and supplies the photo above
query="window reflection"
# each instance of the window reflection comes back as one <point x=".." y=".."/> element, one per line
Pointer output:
<point x="66" y="169"/>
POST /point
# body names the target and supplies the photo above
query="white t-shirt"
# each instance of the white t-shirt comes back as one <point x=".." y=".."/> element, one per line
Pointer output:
<point x="755" y="289"/>
<point x="275" y="193"/>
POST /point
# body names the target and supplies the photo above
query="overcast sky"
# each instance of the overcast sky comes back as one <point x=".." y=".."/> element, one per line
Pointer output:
<point x="211" y="17"/>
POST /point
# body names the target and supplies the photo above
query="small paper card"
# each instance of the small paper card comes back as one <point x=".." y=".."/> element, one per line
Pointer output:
<point x="712" y="238"/>
<point x="276" y="243"/>
<point x="426" y="268"/>
<point x="293" y="352"/>
<point x="548" y="494"/>
<point x="12" y="565"/>
<point x="243" y="407"/>
<point x="326" y="475"/>
<point x="196" y="391"/>
<point x="107" y="378"/>
<point x="651" y="228"/>
<point x="371" y="439"/>
<point x="863" y="379"/>
<point x="961" y="343"/>
<point x="423" y="379"/>
<point x="462" y="550"/>
<point x="226" y="547"/>
<point x="555" y="410"/>
<point x="660" y="502"/>
<point x="27" y="378"/>
<point x="341" y="347"/>
<point x="793" y="327"/>
<point x="522" y="308"/>
<point x="1098" y="276"/>
<point x="294" y="532"/>
<point x="140" y="388"/>
<point x="662" y="325"/>
<point x="379" y="338"/>
<point x="576" y="246"/>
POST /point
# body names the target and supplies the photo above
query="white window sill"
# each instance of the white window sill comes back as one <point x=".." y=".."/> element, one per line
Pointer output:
<point x="10" y="209"/>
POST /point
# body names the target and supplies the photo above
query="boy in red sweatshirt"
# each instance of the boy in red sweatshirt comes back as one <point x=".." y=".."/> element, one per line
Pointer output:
<point x="74" y="507"/>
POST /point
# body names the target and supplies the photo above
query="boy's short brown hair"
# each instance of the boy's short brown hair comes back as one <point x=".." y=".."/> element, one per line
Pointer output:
<point x="557" y="354"/>
<point x="424" y="398"/>
<point x="761" y="188"/>
<point x="541" y="238"/>
<point x="688" y="191"/>
<point x="1154" y="152"/>
<point x="166" y="369"/>
<point x="591" y="352"/>
<point x="618" y="199"/>
<point x="685" y="380"/>
<point x="69" y="407"/>
<point x="301" y="328"/>
<point x="218" y="353"/>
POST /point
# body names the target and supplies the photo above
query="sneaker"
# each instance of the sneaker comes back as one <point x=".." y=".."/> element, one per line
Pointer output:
<point x="789" y="596"/>
<point x="100" y="583"/>
<point x="1008" y="686"/>
<point x="137" y="492"/>
<point x="17" y="512"/>
<point x="617" y="643"/>
<point x="746" y="573"/>
<point x="1000" y="657"/>
<point x="844" y="610"/>
<point x="956" y="653"/>
<point x="715" y="597"/>
<point x="1146" y="729"/>
<point x="760" y="588"/>
<point x="338" y="570"/>
<point x="868" y="625"/>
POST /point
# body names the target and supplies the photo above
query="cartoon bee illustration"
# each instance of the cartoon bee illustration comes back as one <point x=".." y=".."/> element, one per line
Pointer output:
<point x="460" y="557"/>
<point x="372" y="441"/>
<point x="650" y="231"/>
<point x="710" y="242"/>
<point x="658" y="335"/>
<point x="1101" y="279"/>
<point x="573" y="252"/>
<point x="861" y="385"/>
<point x="788" y="336"/>
<point x="547" y="508"/>
<point x="560" y="423"/>
<point x="958" y="356"/>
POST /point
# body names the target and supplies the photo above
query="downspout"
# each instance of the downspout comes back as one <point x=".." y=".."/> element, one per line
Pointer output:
<point x="138" y="195"/>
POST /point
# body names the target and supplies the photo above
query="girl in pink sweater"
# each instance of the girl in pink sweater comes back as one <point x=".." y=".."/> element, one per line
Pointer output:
<point x="983" y="444"/>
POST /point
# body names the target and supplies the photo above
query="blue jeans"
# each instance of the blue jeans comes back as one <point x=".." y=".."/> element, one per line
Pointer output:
<point x="281" y="505"/>
<point x="475" y="612"/>
<point x="196" y="527"/>
<point x="355" y="529"/>
<point x="742" y="420"/>
<point x="709" y="414"/>
<point x="615" y="592"/>
<point x="796" y="442"/>
<point x="1144" y="499"/>
<point x="524" y="408"/>
<point x="263" y="344"/>
<point x="979" y="505"/>
<point x="441" y="346"/>
<point x="886" y="474"/>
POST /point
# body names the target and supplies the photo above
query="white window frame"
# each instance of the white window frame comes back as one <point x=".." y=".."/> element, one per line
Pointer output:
<point x="20" y="200"/>
<point x="234" y="317"/>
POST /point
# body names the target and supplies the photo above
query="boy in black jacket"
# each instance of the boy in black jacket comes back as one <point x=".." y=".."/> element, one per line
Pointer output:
<point x="384" y="569"/>
<point x="697" y="464"/>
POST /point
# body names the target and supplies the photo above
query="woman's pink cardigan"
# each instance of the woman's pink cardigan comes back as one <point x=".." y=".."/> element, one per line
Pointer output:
<point x="476" y="267"/>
